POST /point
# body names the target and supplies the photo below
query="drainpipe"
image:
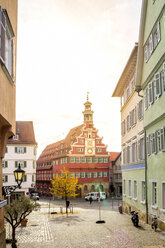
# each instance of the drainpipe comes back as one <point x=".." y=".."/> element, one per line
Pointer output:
<point x="146" y="188"/>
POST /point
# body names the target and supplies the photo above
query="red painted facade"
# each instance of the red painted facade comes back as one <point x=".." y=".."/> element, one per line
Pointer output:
<point x="82" y="152"/>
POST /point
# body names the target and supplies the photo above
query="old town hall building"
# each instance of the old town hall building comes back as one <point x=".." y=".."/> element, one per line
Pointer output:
<point x="82" y="152"/>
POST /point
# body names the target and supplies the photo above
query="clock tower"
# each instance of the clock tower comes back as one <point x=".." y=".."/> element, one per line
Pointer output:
<point x="88" y="113"/>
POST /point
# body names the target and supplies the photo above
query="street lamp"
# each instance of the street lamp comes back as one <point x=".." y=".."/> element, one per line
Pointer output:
<point x="18" y="174"/>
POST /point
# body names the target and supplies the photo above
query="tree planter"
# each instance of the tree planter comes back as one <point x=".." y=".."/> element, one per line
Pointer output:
<point x="24" y="222"/>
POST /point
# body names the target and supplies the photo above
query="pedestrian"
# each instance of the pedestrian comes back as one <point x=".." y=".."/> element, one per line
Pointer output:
<point x="90" y="199"/>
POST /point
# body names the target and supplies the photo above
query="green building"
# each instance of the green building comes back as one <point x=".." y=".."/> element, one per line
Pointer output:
<point x="132" y="139"/>
<point x="150" y="79"/>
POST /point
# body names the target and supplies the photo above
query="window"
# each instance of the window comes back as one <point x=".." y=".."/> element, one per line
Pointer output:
<point x="20" y="149"/>
<point x="81" y="141"/>
<point x="34" y="164"/>
<point x="129" y="188"/>
<point x="162" y="79"/>
<point x="6" y="40"/>
<point x="128" y="122"/>
<point x="133" y="117"/>
<point x="93" y="188"/>
<point x="5" y="178"/>
<point x="143" y="191"/>
<point x="154" y="193"/>
<point x="22" y="164"/>
<point x="128" y="153"/>
<point x="163" y="195"/>
<point x="134" y="151"/>
<point x="106" y="160"/>
<point x="151" y="93"/>
<point x="99" y="174"/>
<point x="123" y="128"/>
<point x="25" y="178"/>
<point x="4" y="164"/>
<point x="140" y="110"/>
<point x="16" y="137"/>
<point x="124" y="186"/>
<point x="82" y="174"/>
<point x="86" y="175"/>
<point x="152" y="41"/>
<point x="157" y="85"/>
<point x="80" y="149"/>
<point x="146" y="99"/>
<point x="98" y="141"/>
<point x="135" y="190"/>
<point x="124" y="154"/>
<point x="33" y="178"/>
<point x="100" y="160"/>
<point x="141" y="148"/>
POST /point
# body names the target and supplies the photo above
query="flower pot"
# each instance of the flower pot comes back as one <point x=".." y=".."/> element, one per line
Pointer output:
<point x="24" y="222"/>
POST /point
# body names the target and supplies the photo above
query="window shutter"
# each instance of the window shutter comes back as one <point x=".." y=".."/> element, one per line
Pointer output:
<point x="16" y="164"/>
<point x="15" y="149"/>
<point x="24" y="149"/>
<point x="12" y="59"/>
<point x="2" y="35"/>
<point x="24" y="164"/>
<point x="158" y="31"/>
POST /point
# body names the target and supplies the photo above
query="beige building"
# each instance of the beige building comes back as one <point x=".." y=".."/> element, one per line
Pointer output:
<point x="132" y="139"/>
<point x="8" y="41"/>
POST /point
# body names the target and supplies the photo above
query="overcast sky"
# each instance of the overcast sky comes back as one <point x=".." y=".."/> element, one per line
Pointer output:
<point x="66" y="48"/>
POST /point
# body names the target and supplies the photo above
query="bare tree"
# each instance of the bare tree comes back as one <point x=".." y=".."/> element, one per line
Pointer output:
<point x="18" y="210"/>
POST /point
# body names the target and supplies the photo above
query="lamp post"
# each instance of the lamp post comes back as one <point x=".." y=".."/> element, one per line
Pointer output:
<point x="18" y="174"/>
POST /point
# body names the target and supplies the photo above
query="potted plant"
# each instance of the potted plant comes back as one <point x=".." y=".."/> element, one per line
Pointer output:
<point x="24" y="222"/>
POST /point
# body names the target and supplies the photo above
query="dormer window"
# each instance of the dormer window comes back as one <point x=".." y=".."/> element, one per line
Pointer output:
<point x="16" y="137"/>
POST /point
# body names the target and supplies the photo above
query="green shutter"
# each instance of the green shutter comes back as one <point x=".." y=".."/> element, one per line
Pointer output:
<point x="24" y="149"/>
<point x="16" y="164"/>
<point x="6" y="163"/>
<point x="15" y="149"/>
<point x="24" y="164"/>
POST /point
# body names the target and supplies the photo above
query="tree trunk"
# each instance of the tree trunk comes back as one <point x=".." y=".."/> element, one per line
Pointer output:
<point x="13" y="238"/>
<point x="66" y="205"/>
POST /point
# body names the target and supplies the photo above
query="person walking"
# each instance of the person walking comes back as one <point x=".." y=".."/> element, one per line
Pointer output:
<point x="90" y="199"/>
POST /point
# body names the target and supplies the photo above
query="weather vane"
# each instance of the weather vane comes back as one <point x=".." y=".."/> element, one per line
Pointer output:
<point x="87" y="96"/>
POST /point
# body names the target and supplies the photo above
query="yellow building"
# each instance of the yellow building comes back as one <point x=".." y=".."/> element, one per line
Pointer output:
<point x="132" y="139"/>
<point x="8" y="41"/>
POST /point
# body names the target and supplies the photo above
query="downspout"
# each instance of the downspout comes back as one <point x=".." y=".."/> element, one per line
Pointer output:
<point x="146" y="188"/>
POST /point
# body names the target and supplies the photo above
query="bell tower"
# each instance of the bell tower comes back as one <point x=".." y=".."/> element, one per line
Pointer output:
<point x="88" y="113"/>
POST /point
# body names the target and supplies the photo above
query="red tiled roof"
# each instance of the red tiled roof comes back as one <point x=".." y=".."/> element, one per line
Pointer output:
<point x="25" y="132"/>
<point x="114" y="155"/>
<point x="61" y="147"/>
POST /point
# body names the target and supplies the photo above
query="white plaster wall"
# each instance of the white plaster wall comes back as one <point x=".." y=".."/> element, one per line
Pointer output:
<point x="30" y="168"/>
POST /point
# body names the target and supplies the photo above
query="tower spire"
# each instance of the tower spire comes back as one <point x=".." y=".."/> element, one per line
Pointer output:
<point x="88" y="113"/>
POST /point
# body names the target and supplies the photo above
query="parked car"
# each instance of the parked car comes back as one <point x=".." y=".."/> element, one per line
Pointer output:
<point x="95" y="196"/>
<point x="35" y="196"/>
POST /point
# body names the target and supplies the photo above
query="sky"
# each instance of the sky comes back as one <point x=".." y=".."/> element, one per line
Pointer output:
<point x="66" y="48"/>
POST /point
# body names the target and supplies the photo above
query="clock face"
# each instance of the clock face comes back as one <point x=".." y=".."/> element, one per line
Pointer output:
<point x="89" y="150"/>
<point x="89" y="142"/>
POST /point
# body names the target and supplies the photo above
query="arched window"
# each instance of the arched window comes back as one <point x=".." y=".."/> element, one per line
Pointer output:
<point x="85" y="188"/>
<point x="93" y="188"/>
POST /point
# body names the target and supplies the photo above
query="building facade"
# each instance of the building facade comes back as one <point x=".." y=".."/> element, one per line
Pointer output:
<point x="82" y="152"/>
<point x="21" y="149"/>
<point x="151" y="79"/>
<point x="8" y="41"/>
<point x="132" y="139"/>
<point x="116" y="174"/>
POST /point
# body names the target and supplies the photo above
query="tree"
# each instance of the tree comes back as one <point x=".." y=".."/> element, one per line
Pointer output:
<point x="64" y="185"/>
<point x="18" y="210"/>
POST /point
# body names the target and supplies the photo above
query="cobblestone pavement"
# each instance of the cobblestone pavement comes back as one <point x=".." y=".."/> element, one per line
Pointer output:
<point x="79" y="230"/>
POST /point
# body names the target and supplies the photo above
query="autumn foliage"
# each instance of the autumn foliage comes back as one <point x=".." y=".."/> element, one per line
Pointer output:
<point x="64" y="185"/>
